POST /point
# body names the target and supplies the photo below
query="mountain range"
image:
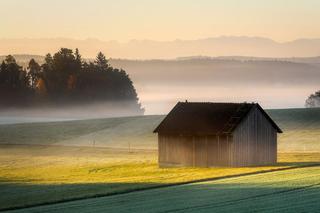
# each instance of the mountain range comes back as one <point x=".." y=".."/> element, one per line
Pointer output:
<point x="226" y="69"/>
<point x="149" y="49"/>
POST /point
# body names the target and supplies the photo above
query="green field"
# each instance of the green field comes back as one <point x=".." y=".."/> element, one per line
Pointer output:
<point x="296" y="190"/>
<point x="46" y="163"/>
<point x="301" y="131"/>
<point x="109" y="132"/>
<point x="32" y="175"/>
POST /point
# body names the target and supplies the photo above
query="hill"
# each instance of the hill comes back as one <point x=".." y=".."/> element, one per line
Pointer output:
<point x="300" y="126"/>
<point x="23" y="59"/>
<point x="110" y="132"/>
<point x="231" y="79"/>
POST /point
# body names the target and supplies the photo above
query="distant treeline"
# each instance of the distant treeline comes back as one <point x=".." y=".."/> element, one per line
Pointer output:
<point x="64" y="78"/>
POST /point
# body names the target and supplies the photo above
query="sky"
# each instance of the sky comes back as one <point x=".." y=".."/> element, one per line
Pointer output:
<point x="162" y="20"/>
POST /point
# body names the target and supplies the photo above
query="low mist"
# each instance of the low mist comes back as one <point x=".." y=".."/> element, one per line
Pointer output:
<point x="272" y="83"/>
<point x="69" y="112"/>
<point x="160" y="84"/>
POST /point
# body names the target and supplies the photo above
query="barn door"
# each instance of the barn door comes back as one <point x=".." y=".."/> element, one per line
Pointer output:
<point x="200" y="152"/>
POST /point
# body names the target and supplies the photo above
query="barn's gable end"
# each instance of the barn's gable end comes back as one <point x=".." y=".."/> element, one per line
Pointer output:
<point x="254" y="140"/>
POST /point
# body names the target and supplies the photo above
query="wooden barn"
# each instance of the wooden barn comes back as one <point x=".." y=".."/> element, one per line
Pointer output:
<point x="217" y="134"/>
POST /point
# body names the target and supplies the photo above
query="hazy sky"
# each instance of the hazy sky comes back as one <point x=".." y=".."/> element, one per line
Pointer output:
<point x="123" y="20"/>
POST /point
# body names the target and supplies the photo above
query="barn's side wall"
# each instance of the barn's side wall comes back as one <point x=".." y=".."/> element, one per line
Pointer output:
<point x="254" y="141"/>
<point x="193" y="151"/>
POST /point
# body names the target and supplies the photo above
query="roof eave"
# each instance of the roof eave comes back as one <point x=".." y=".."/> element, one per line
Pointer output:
<point x="156" y="130"/>
<point x="270" y="119"/>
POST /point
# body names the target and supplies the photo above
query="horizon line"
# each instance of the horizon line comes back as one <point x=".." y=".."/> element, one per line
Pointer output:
<point x="161" y="41"/>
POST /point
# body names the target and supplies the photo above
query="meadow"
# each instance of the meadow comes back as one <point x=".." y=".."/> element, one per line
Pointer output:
<point x="296" y="190"/>
<point x="300" y="126"/>
<point x="32" y="175"/>
<point x="54" y="162"/>
<point x="108" y="132"/>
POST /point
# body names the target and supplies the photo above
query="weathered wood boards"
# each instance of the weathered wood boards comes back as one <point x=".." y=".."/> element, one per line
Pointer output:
<point x="252" y="142"/>
<point x="195" y="151"/>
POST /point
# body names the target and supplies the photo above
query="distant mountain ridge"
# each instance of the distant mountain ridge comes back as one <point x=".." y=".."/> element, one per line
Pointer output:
<point x="149" y="49"/>
<point x="307" y="60"/>
<point x="23" y="59"/>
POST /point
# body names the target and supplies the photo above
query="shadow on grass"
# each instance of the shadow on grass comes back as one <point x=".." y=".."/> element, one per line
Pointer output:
<point x="271" y="192"/>
<point x="297" y="164"/>
<point x="16" y="194"/>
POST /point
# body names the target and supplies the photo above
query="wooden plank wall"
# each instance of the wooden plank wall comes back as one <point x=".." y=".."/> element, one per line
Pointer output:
<point x="254" y="141"/>
<point x="194" y="151"/>
<point x="175" y="150"/>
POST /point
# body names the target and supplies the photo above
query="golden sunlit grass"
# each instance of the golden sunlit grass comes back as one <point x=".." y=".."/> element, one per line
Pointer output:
<point x="65" y="165"/>
<point x="28" y="173"/>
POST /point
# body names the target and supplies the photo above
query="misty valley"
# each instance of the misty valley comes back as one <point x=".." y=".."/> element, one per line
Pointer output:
<point x="160" y="83"/>
<point x="159" y="106"/>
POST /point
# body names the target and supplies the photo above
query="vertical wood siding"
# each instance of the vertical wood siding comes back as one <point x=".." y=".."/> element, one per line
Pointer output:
<point x="254" y="141"/>
<point x="194" y="151"/>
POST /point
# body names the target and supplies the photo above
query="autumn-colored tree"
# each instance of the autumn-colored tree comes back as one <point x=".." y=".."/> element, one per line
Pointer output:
<point x="41" y="88"/>
<point x="65" y="78"/>
<point x="72" y="80"/>
<point x="34" y="72"/>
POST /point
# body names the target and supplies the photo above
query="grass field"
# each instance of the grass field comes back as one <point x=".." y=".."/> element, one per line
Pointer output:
<point x="296" y="190"/>
<point x="31" y="175"/>
<point x="109" y="132"/>
<point x="301" y="131"/>
<point x="62" y="161"/>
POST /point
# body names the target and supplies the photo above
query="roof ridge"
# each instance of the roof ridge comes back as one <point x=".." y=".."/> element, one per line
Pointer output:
<point x="207" y="117"/>
<point x="209" y="102"/>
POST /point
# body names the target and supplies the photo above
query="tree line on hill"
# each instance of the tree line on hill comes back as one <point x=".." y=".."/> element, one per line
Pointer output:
<point x="313" y="100"/>
<point x="64" y="78"/>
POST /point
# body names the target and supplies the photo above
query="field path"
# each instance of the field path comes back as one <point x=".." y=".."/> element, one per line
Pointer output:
<point x="293" y="186"/>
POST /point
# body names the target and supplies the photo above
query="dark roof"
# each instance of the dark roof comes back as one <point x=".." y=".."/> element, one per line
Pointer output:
<point x="207" y="118"/>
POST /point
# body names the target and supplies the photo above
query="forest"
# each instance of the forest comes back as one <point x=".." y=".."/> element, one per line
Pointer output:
<point x="64" y="79"/>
